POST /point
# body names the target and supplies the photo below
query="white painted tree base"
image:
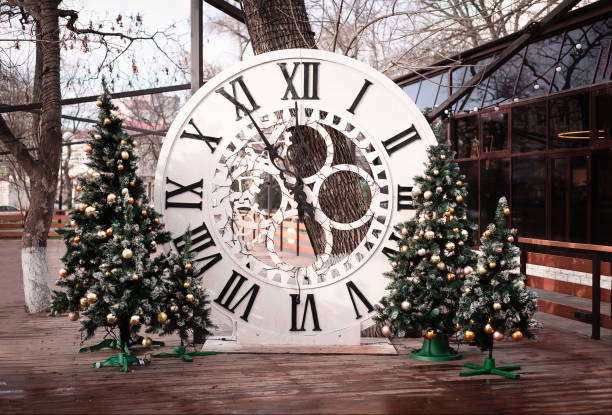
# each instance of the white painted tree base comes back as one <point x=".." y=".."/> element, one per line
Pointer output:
<point x="35" y="279"/>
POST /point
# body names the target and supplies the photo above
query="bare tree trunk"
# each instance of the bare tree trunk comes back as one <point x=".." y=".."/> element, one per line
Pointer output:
<point x="43" y="178"/>
<point x="282" y="24"/>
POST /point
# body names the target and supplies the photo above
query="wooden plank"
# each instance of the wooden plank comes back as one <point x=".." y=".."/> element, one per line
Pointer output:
<point x="569" y="245"/>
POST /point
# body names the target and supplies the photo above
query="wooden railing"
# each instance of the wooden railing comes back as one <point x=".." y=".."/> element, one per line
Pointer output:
<point x="11" y="223"/>
<point x="593" y="252"/>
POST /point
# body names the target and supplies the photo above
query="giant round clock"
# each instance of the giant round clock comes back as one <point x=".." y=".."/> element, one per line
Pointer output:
<point x="290" y="170"/>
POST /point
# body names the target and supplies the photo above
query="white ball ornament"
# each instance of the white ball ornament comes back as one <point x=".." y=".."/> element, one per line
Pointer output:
<point x="125" y="155"/>
<point x="90" y="210"/>
<point x="428" y="194"/>
<point x="429" y="235"/>
<point x="101" y="234"/>
<point x="124" y="191"/>
<point x="464" y="233"/>
<point x="439" y="189"/>
<point x="404" y="231"/>
<point x="416" y="191"/>
<point x="127" y="253"/>
<point x="405" y="305"/>
<point x="436" y="172"/>
<point x="385" y="331"/>
<point x="422" y="252"/>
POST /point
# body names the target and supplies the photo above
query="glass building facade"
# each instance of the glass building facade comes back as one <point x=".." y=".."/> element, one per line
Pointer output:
<point x="537" y="130"/>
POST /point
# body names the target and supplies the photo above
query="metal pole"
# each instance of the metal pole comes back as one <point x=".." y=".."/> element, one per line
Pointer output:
<point x="197" y="35"/>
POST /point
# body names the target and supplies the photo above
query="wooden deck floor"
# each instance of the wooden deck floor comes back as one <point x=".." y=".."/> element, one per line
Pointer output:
<point x="40" y="372"/>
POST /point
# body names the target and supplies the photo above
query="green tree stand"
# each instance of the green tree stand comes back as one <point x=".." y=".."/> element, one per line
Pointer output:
<point x="181" y="351"/>
<point x="114" y="344"/>
<point x="435" y="350"/>
<point x="123" y="359"/>
<point x="489" y="368"/>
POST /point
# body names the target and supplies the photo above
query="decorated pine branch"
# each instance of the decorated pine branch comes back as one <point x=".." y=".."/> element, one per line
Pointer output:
<point x="110" y="279"/>
<point x="495" y="303"/>
<point x="434" y="255"/>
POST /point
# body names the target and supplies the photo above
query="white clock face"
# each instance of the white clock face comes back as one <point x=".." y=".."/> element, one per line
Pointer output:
<point x="290" y="170"/>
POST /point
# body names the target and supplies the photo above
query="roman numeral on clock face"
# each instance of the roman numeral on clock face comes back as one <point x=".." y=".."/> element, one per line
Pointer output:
<point x="310" y="301"/>
<point x="226" y="298"/>
<point x="401" y="140"/>
<point x="404" y="198"/>
<point x="362" y="91"/>
<point x="310" y="88"/>
<point x="201" y="241"/>
<point x="195" y="188"/>
<point x="211" y="142"/>
<point x="352" y="289"/>
<point x="390" y="252"/>
<point x="236" y="84"/>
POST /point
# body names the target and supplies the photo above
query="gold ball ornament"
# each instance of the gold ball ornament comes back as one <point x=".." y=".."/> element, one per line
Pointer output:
<point x="120" y="167"/>
<point x="459" y="183"/>
<point x="143" y="212"/>
<point x="81" y="207"/>
<point x="186" y="285"/>
<point x="174" y="308"/>
<point x="200" y="287"/>
<point x="97" y="136"/>
<point x="492" y="264"/>
<point x="447" y="213"/>
<point x="76" y="239"/>
<point x="385" y="331"/>
<point x="190" y="298"/>
<point x="73" y="224"/>
<point x="188" y="266"/>
<point x="469" y="335"/>
<point x="123" y="142"/>
<point x="135" y="144"/>
<point x="456" y="230"/>
<point x="488" y="329"/>
<point x="436" y="172"/>
<point x="62" y="272"/>
<point x="132" y="183"/>
<point x="498" y="336"/>
<point x="127" y="253"/>
<point x="98" y="103"/>
<point x="111" y="318"/>
<point x="90" y="210"/>
<point x="87" y="148"/>
<point x="442" y="156"/>
<point x="153" y="244"/>
<point x="109" y="231"/>
<point x="416" y="191"/>
<point x="497" y="306"/>
<point x="83" y="302"/>
<point x="404" y="231"/>
<point x="486" y="233"/>
<point x="123" y="125"/>
<point x="107" y="121"/>
<point x="135" y="277"/>
<point x="156" y="220"/>
<point x="441" y="266"/>
<point x="468" y="270"/>
<point x="429" y="235"/>
<point x="147" y="342"/>
<point x="131" y="200"/>
<point x="427" y="195"/>
<point x="460" y="243"/>
<point x="459" y="198"/>
<point x="134" y="320"/>
<point x="111" y="197"/>
<point x="481" y="269"/>
<point x="404" y="248"/>
<point x="406" y="305"/>
<point x="125" y="155"/>
<point x="439" y="189"/>
<point x="517" y="335"/>
<point x="430" y="334"/>
<point x="457" y="326"/>
<point x="73" y="316"/>
<point x="162" y="317"/>
<point x="92" y="298"/>
<point x="467" y="290"/>
<point x="101" y="234"/>
<point x="449" y="246"/>
<point x="434" y="259"/>
<point x="450" y="276"/>
<point x="506" y="211"/>
<point x="510" y="239"/>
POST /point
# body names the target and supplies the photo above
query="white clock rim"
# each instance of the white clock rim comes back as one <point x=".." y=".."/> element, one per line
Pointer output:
<point x="184" y="115"/>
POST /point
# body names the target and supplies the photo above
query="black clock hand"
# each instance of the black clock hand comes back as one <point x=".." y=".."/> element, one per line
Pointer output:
<point x="299" y="194"/>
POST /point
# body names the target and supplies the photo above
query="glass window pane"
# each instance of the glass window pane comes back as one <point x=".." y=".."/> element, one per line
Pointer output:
<point x="427" y="95"/>
<point x="412" y="90"/>
<point x="494" y="131"/>
<point x="568" y="121"/>
<point x="529" y="128"/>
<point x="465" y="140"/>
<point x="603" y="103"/>
<point x="494" y="183"/>
<point x="470" y="170"/>
<point x="475" y="97"/>
<point x="457" y="76"/>
<point x="501" y="82"/>
<point x="579" y="55"/>
<point x="578" y="200"/>
<point x="538" y="67"/>
<point x="443" y="91"/>
<point x="558" y="203"/>
<point x="601" y="222"/>
<point x="603" y="61"/>
<point x="529" y="196"/>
